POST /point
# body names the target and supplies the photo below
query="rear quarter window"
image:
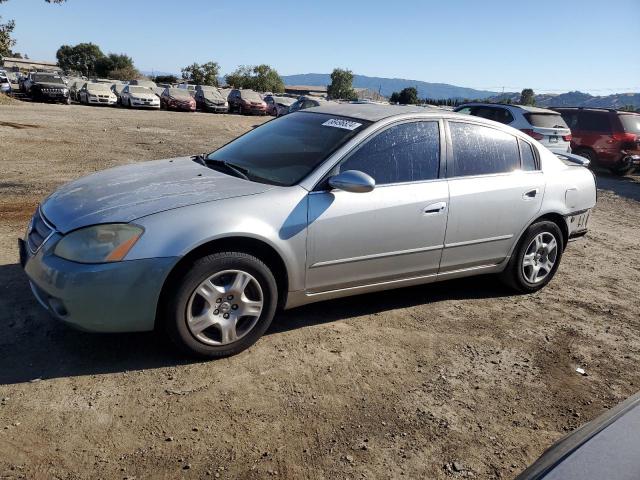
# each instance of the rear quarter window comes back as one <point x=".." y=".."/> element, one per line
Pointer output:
<point x="630" y="123"/>
<point x="528" y="157"/>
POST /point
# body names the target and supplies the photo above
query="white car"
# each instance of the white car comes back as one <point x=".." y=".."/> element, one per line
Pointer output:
<point x="96" y="94"/>
<point x="139" y="97"/>
<point x="5" y="85"/>
<point x="546" y="126"/>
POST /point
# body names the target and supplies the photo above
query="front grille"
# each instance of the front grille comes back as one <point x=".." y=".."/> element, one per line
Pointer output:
<point x="39" y="231"/>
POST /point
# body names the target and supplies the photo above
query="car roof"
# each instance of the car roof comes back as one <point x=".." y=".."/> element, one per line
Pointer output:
<point x="369" y="111"/>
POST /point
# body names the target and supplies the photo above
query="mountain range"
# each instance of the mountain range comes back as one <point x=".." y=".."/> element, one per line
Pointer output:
<point x="386" y="86"/>
<point x="439" y="91"/>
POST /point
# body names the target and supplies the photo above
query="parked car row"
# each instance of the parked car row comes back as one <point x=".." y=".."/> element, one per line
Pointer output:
<point x="606" y="137"/>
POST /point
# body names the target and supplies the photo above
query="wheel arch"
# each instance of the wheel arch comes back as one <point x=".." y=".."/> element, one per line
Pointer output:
<point x="250" y="245"/>
<point x="554" y="217"/>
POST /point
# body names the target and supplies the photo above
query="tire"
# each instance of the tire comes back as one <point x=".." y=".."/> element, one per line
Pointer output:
<point x="524" y="277"/>
<point x="212" y="328"/>
<point x="589" y="155"/>
<point x="240" y="110"/>
<point x="622" y="169"/>
<point x="130" y="104"/>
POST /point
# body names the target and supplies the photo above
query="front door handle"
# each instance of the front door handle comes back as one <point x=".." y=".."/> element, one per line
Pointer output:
<point x="435" y="208"/>
<point x="531" y="194"/>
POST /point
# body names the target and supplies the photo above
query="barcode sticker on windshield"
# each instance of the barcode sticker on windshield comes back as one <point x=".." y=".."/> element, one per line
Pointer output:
<point x="339" y="123"/>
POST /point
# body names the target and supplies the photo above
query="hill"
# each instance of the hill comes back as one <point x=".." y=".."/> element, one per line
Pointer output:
<point x="386" y="86"/>
<point x="577" y="99"/>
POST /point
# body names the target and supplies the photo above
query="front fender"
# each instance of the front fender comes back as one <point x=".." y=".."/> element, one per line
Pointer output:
<point x="277" y="217"/>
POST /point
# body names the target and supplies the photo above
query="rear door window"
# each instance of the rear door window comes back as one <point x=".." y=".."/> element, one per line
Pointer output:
<point x="594" y="122"/>
<point x="497" y="114"/>
<point x="480" y="150"/>
<point x="407" y="152"/>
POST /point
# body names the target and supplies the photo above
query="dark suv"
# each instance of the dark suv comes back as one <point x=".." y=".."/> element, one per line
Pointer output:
<point x="608" y="138"/>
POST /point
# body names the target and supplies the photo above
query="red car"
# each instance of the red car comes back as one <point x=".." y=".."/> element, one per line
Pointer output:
<point x="608" y="138"/>
<point x="246" y="102"/>
<point x="177" y="99"/>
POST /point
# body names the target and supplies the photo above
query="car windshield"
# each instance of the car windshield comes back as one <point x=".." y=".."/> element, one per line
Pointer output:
<point x="212" y="94"/>
<point x="284" y="100"/>
<point x="250" y="95"/>
<point x="48" y="79"/>
<point x="179" y="93"/>
<point x="135" y="89"/>
<point x="546" y="120"/>
<point x="285" y="150"/>
<point x="631" y="123"/>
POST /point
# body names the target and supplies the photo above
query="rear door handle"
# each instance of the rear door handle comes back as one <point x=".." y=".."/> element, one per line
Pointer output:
<point x="435" y="208"/>
<point x="531" y="194"/>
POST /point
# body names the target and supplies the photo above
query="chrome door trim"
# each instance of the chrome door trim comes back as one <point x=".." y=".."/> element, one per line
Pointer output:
<point x="375" y="255"/>
<point x="479" y="240"/>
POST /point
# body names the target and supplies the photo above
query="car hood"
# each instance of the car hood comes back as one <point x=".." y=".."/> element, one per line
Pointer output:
<point x="145" y="95"/>
<point x="125" y="193"/>
<point x="50" y="85"/>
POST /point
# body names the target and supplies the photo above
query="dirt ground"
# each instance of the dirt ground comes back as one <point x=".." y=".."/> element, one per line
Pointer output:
<point x="456" y="380"/>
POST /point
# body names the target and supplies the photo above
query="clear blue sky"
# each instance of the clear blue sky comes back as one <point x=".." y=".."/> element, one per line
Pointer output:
<point x="551" y="46"/>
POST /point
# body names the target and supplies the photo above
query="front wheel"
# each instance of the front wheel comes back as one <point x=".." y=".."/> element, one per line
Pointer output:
<point x="536" y="258"/>
<point x="221" y="305"/>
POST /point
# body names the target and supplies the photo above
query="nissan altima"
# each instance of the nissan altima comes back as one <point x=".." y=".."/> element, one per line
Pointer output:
<point x="331" y="201"/>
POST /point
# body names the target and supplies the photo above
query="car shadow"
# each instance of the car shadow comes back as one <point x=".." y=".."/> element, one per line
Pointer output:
<point x="34" y="346"/>
<point x="627" y="187"/>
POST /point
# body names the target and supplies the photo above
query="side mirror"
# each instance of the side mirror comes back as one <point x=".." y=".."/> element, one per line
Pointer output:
<point x="353" y="181"/>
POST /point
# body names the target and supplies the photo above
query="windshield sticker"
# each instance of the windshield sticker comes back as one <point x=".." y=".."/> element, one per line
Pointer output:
<point x="344" y="124"/>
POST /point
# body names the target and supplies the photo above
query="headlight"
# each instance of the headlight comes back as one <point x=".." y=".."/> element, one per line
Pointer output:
<point x="99" y="244"/>
<point x="65" y="91"/>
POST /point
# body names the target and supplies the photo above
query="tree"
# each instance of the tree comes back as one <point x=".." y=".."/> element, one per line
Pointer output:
<point x="527" y="97"/>
<point x="80" y="58"/>
<point x="165" y="79"/>
<point x="6" y="42"/>
<point x="114" y="62"/>
<point x="262" y="78"/>
<point x="408" y="96"/>
<point x="205" y="74"/>
<point x="124" y="73"/>
<point x="394" y="98"/>
<point x="341" y="85"/>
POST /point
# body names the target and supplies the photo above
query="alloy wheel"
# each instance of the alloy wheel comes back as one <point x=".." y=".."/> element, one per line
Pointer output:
<point x="540" y="257"/>
<point x="225" y="307"/>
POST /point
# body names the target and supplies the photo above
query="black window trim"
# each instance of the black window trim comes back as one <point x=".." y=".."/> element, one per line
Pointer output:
<point x="322" y="187"/>
<point x="470" y="120"/>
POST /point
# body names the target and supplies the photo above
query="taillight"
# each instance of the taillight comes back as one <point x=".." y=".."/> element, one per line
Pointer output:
<point x="567" y="138"/>
<point x="532" y="134"/>
<point x="624" y="137"/>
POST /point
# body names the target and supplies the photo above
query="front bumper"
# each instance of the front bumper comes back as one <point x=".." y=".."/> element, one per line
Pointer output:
<point x="216" y="108"/>
<point x="109" y="297"/>
<point x="101" y="101"/>
<point x="139" y="104"/>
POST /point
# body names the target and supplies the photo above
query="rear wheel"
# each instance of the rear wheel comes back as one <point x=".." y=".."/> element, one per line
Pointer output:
<point x="222" y="305"/>
<point x="589" y="155"/>
<point x="622" y="169"/>
<point x="536" y="258"/>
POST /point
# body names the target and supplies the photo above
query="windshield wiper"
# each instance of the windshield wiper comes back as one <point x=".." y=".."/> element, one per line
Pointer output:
<point x="208" y="162"/>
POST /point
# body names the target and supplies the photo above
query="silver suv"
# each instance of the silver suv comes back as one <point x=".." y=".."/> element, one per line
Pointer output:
<point x="546" y="126"/>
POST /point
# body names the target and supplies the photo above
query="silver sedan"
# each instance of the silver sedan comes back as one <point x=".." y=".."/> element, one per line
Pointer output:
<point x="328" y="202"/>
